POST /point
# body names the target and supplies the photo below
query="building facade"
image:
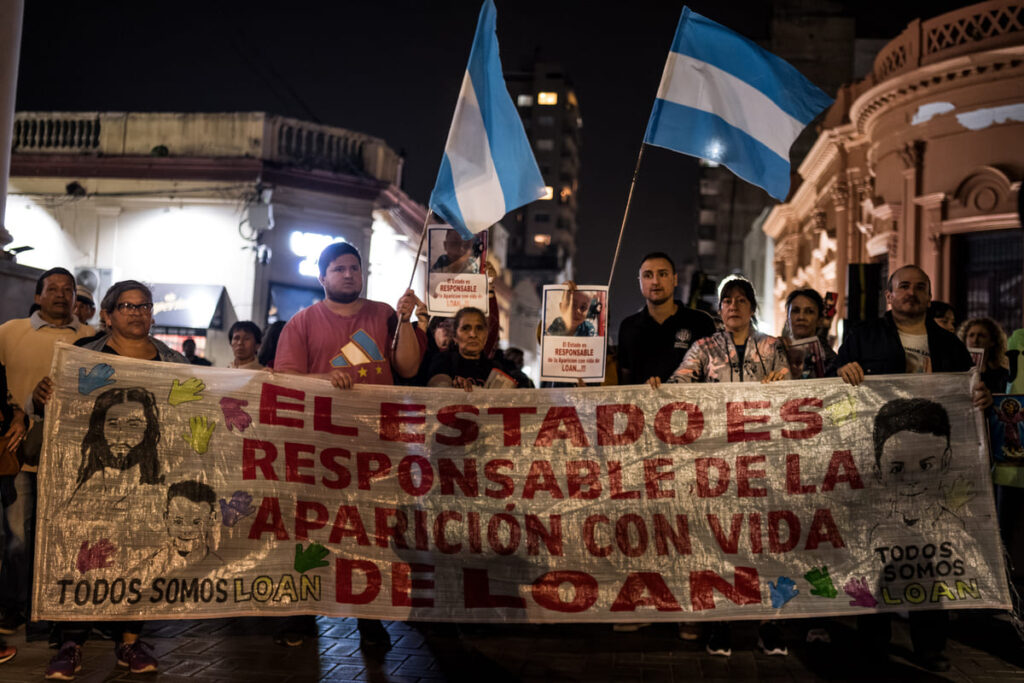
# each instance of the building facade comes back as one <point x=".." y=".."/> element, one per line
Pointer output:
<point x="919" y="162"/>
<point x="188" y="202"/>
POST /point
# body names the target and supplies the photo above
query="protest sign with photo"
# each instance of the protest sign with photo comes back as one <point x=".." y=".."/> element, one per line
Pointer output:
<point x="457" y="276"/>
<point x="175" y="491"/>
<point x="574" y="342"/>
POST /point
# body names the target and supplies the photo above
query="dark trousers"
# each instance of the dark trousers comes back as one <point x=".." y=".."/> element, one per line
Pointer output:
<point x="78" y="631"/>
<point x="928" y="631"/>
<point x="18" y="529"/>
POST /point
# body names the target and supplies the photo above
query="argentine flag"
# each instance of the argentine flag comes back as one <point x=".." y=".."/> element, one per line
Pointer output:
<point x="488" y="167"/>
<point x="724" y="99"/>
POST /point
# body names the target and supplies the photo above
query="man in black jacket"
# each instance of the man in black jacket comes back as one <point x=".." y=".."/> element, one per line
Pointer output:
<point x="907" y="340"/>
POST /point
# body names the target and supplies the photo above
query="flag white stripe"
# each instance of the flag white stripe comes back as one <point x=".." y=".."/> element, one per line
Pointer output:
<point x="477" y="188"/>
<point x="693" y="83"/>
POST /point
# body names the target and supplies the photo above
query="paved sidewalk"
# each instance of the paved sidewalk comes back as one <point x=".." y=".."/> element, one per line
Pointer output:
<point x="982" y="648"/>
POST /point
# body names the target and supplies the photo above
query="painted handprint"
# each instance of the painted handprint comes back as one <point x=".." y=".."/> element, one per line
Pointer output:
<point x="183" y="392"/>
<point x="96" y="378"/>
<point x="861" y="594"/>
<point x="842" y="411"/>
<point x="782" y="591"/>
<point x="96" y="556"/>
<point x="310" y="558"/>
<point x="200" y="431"/>
<point x="235" y="509"/>
<point x="821" y="583"/>
<point x="234" y="416"/>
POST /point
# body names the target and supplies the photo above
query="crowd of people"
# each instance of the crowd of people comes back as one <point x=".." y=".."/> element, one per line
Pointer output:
<point x="347" y="340"/>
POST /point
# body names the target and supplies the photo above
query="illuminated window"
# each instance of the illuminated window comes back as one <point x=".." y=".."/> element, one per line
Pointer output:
<point x="547" y="98"/>
<point x="549" y="192"/>
<point x="525" y="100"/>
<point x="565" y="193"/>
<point x="308" y="245"/>
<point x="545" y="145"/>
<point x="542" y="239"/>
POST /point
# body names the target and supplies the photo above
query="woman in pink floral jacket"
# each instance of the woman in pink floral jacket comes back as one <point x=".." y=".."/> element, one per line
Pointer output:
<point x="739" y="353"/>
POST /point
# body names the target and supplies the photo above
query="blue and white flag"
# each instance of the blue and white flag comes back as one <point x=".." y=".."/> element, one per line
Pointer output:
<point x="724" y="99"/>
<point x="488" y="167"/>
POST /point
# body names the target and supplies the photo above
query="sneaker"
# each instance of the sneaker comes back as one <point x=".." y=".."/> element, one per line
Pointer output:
<point x="630" y="628"/>
<point x="288" y="638"/>
<point x="689" y="631"/>
<point x="7" y="653"/>
<point x="769" y="639"/>
<point x="720" y="640"/>
<point x="134" y="657"/>
<point x="66" y="663"/>
<point x="373" y="634"/>
<point x="818" y="635"/>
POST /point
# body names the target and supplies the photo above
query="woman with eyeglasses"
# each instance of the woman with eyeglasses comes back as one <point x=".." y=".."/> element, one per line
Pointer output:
<point x="737" y="354"/>
<point x="128" y="309"/>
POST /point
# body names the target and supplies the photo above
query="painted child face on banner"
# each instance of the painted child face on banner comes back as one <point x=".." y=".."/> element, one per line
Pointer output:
<point x="189" y="523"/>
<point x="911" y="467"/>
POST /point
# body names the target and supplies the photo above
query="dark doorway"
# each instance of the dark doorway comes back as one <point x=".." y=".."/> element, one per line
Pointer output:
<point x="988" y="276"/>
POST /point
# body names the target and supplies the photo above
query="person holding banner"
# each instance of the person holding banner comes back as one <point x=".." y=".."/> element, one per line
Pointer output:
<point x="740" y="353"/>
<point x="906" y="340"/>
<point x="128" y="306"/>
<point x="751" y="357"/>
<point x="466" y="366"/>
<point x="348" y="340"/>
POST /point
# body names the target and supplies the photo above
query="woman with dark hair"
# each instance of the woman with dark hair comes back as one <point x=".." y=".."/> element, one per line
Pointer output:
<point x="808" y="360"/>
<point x="467" y="365"/>
<point x="737" y="354"/>
<point x="986" y="334"/>
<point x="943" y="315"/>
<point x="740" y="353"/>
<point x="124" y="431"/>
<point x="268" y="349"/>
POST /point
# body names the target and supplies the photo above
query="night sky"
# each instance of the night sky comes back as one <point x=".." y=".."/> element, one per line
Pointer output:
<point x="393" y="70"/>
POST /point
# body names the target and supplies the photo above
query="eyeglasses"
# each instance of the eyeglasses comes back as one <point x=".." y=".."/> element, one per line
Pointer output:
<point x="128" y="307"/>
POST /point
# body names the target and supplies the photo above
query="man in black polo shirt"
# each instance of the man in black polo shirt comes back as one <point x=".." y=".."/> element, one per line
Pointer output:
<point x="653" y="341"/>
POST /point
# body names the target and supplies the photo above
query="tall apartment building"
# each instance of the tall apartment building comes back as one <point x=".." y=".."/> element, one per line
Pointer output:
<point x="542" y="235"/>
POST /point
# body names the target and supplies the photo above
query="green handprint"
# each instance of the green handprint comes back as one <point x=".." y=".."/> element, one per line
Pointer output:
<point x="185" y="392"/>
<point x="821" y="583"/>
<point x="310" y="558"/>
<point x="201" y="431"/>
<point x="958" y="494"/>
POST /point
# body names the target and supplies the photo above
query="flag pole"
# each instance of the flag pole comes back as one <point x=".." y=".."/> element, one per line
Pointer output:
<point x="625" y="214"/>
<point x="412" y="275"/>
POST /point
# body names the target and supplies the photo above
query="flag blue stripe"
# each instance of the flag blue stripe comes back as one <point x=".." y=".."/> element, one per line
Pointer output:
<point x="443" y="201"/>
<point x="692" y="131"/>
<point x="520" y="178"/>
<point x="703" y="39"/>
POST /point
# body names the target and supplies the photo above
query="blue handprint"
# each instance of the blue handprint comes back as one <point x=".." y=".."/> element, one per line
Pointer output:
<point x="97" y="378"/>
<point x="783" y="591"/>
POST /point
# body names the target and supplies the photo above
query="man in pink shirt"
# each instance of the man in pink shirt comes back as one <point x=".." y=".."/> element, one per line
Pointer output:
<point x="348" y="340"/>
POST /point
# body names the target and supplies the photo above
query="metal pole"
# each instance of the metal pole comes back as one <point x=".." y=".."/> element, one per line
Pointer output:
<point x="625" y="214"/>
<point x="412" y="275"/>
<point x="11" y="15"/>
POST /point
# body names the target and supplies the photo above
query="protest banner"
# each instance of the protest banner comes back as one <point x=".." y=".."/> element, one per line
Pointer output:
<point x="174" y="491"/>
<point x="457" y="271"/>
<point x="575" y="340"/>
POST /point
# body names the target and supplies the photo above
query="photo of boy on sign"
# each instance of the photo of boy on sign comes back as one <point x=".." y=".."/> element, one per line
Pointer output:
<point x="579" y="313"/>
<point x="461" y="256"/>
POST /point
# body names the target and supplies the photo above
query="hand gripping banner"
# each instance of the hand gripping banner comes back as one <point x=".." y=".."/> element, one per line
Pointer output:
<point x="173" y="491"/>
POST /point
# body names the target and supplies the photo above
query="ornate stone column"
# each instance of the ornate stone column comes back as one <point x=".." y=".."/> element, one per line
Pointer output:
<point x="11" y="12"/>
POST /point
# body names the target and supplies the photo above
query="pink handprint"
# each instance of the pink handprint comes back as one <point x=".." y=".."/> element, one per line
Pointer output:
<point x="234" y="416"/>
<point x="861" y="594"/>
<point x="95" y="557"/>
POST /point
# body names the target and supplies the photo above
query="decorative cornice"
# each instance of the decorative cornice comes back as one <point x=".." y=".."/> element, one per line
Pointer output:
<point x="941" y="75"/>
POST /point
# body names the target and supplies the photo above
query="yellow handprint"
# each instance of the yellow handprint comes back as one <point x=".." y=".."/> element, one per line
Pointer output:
<point x="201" y="431"/>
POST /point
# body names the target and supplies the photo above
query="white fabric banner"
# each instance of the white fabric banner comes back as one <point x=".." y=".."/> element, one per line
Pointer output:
<point x="172" y="491"/>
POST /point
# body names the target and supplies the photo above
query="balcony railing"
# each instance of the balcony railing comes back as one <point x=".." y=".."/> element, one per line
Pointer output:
<point x="290" y="142"/>
<point x="984" y="26"/>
